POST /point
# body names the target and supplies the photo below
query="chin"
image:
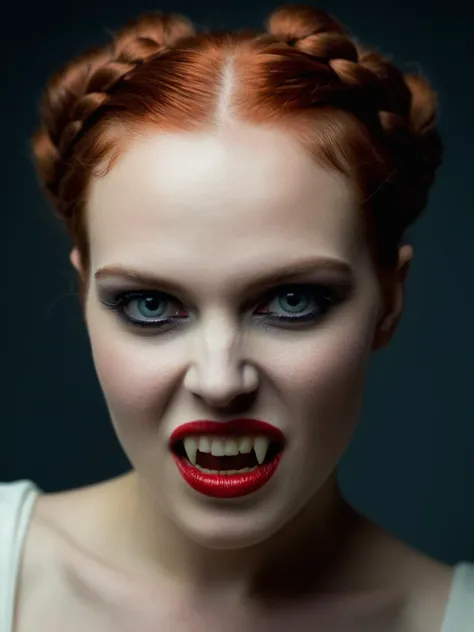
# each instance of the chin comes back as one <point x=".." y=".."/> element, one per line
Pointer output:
<point x="233" y="524"/>
<point x="228" y="533"/>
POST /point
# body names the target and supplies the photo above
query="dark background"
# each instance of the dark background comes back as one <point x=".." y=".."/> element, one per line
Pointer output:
<point x="410" y="466"/>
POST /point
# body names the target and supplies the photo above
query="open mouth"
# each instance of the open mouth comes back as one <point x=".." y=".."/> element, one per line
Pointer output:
<point x="227" y="456"/>
<point x="227" y="459"/>
<point x="227" y="466"/>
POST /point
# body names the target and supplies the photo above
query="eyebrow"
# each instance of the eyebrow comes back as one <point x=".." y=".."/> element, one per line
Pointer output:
<point x="279" y="276"/>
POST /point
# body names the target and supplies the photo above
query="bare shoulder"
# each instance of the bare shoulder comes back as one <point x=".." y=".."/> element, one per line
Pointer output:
<point x="44" y="545"/>
<point x="432" y="583"/>
<point x="56" y="523"/>
<point x="59" y="564"/>
<point x="48" y="558"/>
<point x="426" y="581"/>
<point x="39" y="570"/>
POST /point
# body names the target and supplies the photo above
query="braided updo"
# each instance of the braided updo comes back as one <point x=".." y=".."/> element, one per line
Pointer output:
<point x="351" y="108"/>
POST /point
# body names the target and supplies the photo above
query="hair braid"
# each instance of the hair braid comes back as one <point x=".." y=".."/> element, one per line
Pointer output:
<point x="404" y="105"/>
<point x="365" y="73"/>
<point x="350" y="107"/>
<point x="78" y="93"/>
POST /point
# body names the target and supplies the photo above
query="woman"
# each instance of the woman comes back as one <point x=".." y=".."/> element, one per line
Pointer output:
<point x="210" y="182"/>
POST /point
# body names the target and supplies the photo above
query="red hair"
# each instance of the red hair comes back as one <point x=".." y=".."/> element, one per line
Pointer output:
<point x="350" y="107"/>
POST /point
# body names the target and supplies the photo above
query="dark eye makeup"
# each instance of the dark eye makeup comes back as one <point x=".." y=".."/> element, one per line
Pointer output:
<point x="166" y="311"/>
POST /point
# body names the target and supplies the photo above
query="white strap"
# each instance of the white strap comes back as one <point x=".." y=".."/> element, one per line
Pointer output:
<point x="459" y="613"/>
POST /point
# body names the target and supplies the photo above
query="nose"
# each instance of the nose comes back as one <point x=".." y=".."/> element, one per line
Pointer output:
<point x="219" y="373"/>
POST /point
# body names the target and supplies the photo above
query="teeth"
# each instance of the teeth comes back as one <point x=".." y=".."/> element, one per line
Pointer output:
<point x="231" y="447"/>
<point x="217" y="447"/>
<point x="191" y="446"/>
<point x="245" y="445"/>
<point x="227" y="472"/>
<point x="261" y="446"/>
<point x="223" y="446"/>
<point x="204" y="444"/>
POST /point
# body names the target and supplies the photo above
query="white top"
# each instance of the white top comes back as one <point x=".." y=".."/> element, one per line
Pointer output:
<point x="16" y="504"/>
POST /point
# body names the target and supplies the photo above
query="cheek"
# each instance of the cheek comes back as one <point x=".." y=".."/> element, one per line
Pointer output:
<point x="133" y="372"/>
<point x="322" y="385"/>
<point x="324" y="379"/>
<point x="334" y="366"/>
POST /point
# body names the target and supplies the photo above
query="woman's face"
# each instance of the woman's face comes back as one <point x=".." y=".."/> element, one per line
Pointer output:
<point x="210" y="217"/>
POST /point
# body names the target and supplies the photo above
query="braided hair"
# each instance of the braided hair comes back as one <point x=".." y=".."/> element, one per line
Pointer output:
<point x="350" y="106"/>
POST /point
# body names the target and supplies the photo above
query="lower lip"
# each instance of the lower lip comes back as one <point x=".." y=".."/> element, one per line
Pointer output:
<point x="227" y="485"/>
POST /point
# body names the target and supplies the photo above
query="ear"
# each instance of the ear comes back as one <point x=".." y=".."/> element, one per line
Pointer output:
<point x="394" y="299"/>
<point x="75" y="259"/>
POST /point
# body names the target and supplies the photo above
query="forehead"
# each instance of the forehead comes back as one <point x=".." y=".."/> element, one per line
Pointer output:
<point x="238" y="194"/>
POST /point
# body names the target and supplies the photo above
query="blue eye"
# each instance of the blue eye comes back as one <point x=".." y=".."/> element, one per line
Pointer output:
<point x="153" y="306"/>
<point x="293" y="304"/>
<point x="294" y="301"/>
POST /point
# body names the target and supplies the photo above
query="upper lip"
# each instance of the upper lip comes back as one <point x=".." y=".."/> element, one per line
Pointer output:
<point x="234" y="427"/>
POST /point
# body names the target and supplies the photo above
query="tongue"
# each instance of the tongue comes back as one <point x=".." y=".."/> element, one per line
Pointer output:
<point x="237" y="462"/>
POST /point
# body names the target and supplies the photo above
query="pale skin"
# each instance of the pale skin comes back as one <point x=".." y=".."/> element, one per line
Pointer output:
<point x="211" y="214"/>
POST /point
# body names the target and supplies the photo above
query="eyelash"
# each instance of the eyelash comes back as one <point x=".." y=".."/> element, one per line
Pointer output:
<point x="329" y="296"/>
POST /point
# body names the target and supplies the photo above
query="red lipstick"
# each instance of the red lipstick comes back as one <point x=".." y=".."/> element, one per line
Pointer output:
<point x="227" y="485"/>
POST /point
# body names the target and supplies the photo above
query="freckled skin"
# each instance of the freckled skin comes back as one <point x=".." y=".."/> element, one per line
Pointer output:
<point x="211" y="212"/>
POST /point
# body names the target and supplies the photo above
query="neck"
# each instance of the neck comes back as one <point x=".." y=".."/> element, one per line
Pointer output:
<point x="299" y="557"/>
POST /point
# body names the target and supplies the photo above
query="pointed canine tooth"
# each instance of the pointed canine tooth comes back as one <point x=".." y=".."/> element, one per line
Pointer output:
<point x="204" y="445"/>
<point x="191" y="446"/>
<point x="261" y="446"/>
<point x="231" y="447"/>
<point x="217" y="447"/>
<point x="245" y="445"/>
